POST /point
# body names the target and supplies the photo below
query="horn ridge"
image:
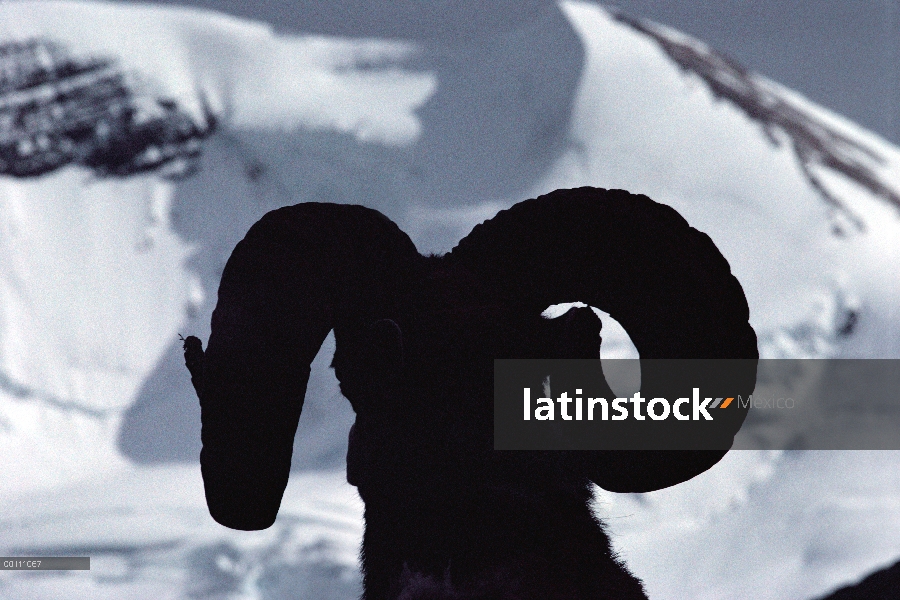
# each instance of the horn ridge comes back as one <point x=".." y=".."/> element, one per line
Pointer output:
<point x="641" y="262"/>
<point x="298" y="273"/>
<point x="625" y="254"/>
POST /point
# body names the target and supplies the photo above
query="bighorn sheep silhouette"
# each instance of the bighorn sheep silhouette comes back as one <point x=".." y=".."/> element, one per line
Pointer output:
<point x="446" y="516"/>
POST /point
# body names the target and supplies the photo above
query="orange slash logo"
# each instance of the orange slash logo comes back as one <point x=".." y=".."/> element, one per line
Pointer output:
<point x="724" y="404"/>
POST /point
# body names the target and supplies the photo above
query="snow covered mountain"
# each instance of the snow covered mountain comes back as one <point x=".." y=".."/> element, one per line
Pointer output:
<point x="101" y="268"/>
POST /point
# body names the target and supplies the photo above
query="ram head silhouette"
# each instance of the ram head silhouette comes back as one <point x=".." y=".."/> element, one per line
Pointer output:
<point x="447" y="516"/>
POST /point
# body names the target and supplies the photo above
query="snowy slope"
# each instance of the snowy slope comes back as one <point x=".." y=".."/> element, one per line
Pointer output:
<point x="93" y="268"/>
<point x="98" y="275"/>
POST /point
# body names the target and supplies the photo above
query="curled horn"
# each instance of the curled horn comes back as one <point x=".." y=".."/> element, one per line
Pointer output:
<point x="294" y="277"/>
<point x="639" y="261"/>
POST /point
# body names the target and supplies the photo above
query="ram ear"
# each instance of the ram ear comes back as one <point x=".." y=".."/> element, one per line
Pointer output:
<point x="369" y="368"/>
<point x="372" y="386"/>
